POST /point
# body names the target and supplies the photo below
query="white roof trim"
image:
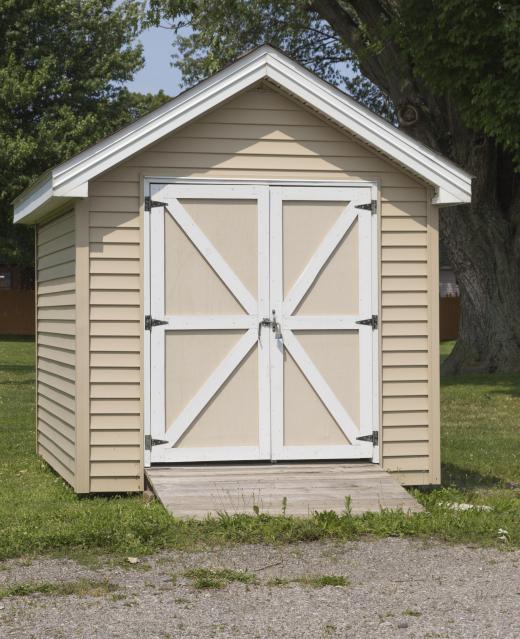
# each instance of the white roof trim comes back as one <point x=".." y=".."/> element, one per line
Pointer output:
<point x="70" y="179"/>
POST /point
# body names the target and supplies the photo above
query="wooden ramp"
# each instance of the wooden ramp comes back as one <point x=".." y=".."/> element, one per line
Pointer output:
<point x="198" y="491"/>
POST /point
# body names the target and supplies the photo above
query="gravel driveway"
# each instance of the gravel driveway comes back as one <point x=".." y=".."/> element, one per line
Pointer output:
<point x="396" y="588"/>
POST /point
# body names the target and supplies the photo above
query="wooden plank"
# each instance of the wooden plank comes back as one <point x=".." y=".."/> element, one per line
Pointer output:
<point x="395" y="284"/>
<point x="56" y="244"/>
<point x="115" y="298"/>
<point x="112" y="267"/>
<point x="115" y="391"/>
<point x="101" y="250"/>
<point x="404" y="239"/>
<point x="120" y="452"/>
<point x="56" y="464"/>
<point x="115" y="313"/>
<point x="59" y="257"/>
<point x="405" y="433"/>
<point x="306" y="487"/>
<point x="405" y="418"/>
<point x="116" y="484"/>
<point x="115" y="422"/>
<point x="115" y="469"/>
<point x="115" y="375"/>
<point x="115" y="235"/>
<point x="115" y="437"/>
<point x="115" y="406"/>
<point x="115" y="282"/>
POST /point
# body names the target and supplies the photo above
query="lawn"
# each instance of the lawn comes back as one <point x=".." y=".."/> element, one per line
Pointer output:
<point x="40" y="514"/>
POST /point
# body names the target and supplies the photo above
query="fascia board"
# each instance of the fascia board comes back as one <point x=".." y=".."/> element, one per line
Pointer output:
<point x="453" y="183"/>
<point x="33" y="198"/>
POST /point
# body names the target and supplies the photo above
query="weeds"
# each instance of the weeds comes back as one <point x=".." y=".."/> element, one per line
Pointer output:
<point x="81" y="588"/>
<point x="207" y="578"/>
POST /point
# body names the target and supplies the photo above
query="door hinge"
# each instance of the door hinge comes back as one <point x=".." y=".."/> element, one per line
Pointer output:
<point x="374" y="438"/>
<point x="149" y="203"/>
<point x="149" y="323"/>
<point x="149" y="442"/>
<point x="371" y="321"/>
<point x="371" y="206"/>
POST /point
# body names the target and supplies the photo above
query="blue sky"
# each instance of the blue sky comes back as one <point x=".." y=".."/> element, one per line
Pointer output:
<point x="157" y="72"/>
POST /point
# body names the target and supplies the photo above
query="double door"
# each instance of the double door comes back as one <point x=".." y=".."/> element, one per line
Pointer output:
<point x="260" y="340"/>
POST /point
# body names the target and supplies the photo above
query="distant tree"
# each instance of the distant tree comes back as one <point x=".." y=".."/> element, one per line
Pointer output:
<point x="448" y="71"/>
<point x="63" y="65"/>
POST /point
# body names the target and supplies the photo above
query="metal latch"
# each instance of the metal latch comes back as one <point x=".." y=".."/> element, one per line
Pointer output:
<point x="374" y="438"/>
<point x="149" y="322"/>
<point x="149" y="442"/>
<point x="149" y="203"/>
<point x="371" y="321"/>
<point x="263" y="322"/>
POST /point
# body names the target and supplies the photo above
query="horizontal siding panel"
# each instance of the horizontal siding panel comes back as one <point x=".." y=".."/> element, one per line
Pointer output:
<point x="67" y="313"/>
<point x="66" y="430"/>
<point x="123" y="266"/>
<point x="114" y="251"/>
<point x="122" y="282"/>
<point x="55" y="326"/>
<point x="404" y="209"/>
<point x="229" y="115"/>
<point x="405" y="449"/>
<point x="115" y="422"/>
<point x="59" y="257"/>
<point x="58" y="410"/>
<point x="56" y="464"/>
<point x="115" y="235"/>
<point x="396" y="329"/>
<point x="406" y="463"/>
<point x="403" y="224"/>
<point x="405" y="343"/>
<point x="55" y="436"/>
<point x="112" y="189"/>
<point x="57" y="396"/>
<point x="56" y="299"/>
<point x="56" y="368"/>
<point x="125" y="344"/>
<point x="116" y="484"/>
<point x="270" y="147"/>
<point x="114" y="204"/>
<point x="129" y="391"/>
<point x="65" y="357"/>
<point x="390" y="194"/>
<point x="401" y="388"/>
<point x="61" y="285"/>
<point x="115" y="298"/>
<point x="403" y="314"/>
<point x="404" y="298"/>
<point x="56" y="451"/>
<point x="413" y="404"/>
<point x="119" y="328"/>
<point x="394" y="284"/>
<point x="111" y="360"/>
<point x="261" y="162"/>
<point x="57" y="244"/>
<point x="404" y="254"/>
<point x="58" y="227"/>
<point x="404" y="269"/>
<point x="115" y="469"/>
<point x="55" y="272"/>
<point x="389" y="239"/>
<point x="119" y="453"/>
<point x="115" y="375"/>
<point x="116" y="438"/>
<point x="111" y="220"/>
<point x="115" y="406"/>
<point x="405" y="373"/>
<point x="115" y="313"/>
<point x="54" y="381"/>
<point x="410" y="358"/>
<point x="64" y="342"/>
<point x="405" y="434"/>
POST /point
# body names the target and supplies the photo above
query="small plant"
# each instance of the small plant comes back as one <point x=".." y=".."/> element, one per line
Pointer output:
<point x="279" y="581"/>
<point x="82" y="588"/>
<point x="313" y="581"/>
<point x="284" y="506"/>
<point x="348" y="506"/>
<point x="207" y="578"/>
<point x="412" y="613"/>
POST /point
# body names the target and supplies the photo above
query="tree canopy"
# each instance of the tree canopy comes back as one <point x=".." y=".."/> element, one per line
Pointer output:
<point x="63" y="65"/>
<point x="447" y="72"/>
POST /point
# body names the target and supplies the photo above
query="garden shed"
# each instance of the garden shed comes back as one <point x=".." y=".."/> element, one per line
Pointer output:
<point x="248" y="273"/>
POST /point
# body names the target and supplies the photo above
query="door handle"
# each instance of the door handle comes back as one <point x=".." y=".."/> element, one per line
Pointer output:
<point x="263" y="322"/>
<point x="277" y="329"/>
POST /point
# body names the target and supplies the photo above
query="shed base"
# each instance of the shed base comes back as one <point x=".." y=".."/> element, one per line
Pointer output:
<point x="297" y="489"/>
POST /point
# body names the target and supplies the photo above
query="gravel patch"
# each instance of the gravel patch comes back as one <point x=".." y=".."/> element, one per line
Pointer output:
<point x="397" y="588"/>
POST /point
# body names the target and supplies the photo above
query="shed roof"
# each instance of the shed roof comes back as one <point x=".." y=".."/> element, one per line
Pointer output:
<point x="69" y="180"/>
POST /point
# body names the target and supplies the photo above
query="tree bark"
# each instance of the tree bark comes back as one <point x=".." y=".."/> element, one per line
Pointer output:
<point x="482" y="239"/>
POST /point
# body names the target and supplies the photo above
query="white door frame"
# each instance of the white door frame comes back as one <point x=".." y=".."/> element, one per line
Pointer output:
<point x="148" y="255"/>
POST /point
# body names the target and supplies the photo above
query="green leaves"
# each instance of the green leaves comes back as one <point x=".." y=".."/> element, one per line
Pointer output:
<point x="63" y="65"/>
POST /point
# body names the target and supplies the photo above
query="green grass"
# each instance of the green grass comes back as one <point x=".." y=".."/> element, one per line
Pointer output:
<point x="81" y="588"/>
<point x="206" y="578"/>
<point x="312" y="581"/>
<point x="40" y="514"/>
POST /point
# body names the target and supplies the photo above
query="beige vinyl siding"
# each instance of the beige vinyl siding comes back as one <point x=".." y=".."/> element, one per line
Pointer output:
<point x="115" y="345"/>
<point x="259" y="134"/>
<point x="56" y="346"/>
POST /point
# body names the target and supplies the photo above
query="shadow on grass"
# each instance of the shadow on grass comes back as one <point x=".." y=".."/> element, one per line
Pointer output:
<point x="463" y="478"/>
